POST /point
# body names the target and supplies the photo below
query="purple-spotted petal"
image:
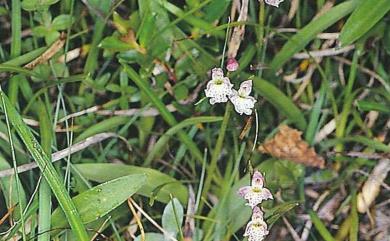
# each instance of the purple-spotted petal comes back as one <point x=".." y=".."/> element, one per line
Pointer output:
<point x="266" y="194"/>
<point x="243" y="191"/>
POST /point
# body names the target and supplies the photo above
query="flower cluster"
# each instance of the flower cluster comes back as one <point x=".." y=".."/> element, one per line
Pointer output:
<point x="219" y="90"/>
<point x="256" y="229"/>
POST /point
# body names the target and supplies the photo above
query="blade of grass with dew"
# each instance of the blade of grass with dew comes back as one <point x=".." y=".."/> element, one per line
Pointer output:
<point x="46" y="168"/>
<point x="310" y="31"/>
<point x="16" y="25"/>
<point x="98" y="172"/>
<point x="101" y="199"/>
<point x="320" y="226"/>
<point x="44" y="215"/>
<point x="280" y="101"/>
<point x="166" y="115"/>
<point x="365" y="16"/>
<point x="158" y="147"/>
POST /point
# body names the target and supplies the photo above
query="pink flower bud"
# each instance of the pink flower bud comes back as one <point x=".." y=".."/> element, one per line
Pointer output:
<point x="232" y="64"/>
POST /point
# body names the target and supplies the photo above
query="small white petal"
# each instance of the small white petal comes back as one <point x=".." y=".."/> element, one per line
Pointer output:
<point x="274" y="3"/>
<point x="245" y="88"/>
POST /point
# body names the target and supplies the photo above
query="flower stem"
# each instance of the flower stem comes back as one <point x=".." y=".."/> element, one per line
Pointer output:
<point x="216" y="153"/>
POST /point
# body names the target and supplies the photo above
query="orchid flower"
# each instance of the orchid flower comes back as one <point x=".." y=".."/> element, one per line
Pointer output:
<point x="256" y="229"/>
<point x="274" y="3"/>
<point x="255" y="193"/>
<point x="219" y="87"/>
<point x="242" y="101"/>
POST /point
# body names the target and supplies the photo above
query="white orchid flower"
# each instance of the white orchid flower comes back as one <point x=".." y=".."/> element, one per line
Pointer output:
<point x="219" y="87"/>
<point x="242" y="101"/>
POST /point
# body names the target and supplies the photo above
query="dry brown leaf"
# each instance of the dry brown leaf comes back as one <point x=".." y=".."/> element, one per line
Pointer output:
<point x="288" y="144"/>
<point x="372" y="186"/>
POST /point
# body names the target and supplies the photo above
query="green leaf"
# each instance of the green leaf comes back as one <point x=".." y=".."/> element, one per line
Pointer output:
<point x="114" y="44"/>
<point x="310" y="31"/>
<point x="370" y="105"/>
<point x="103" y="172"/>
<point x="151" y="237"/>
<point x="366" y="15"/>
<point x="103" y="126"/>
<point x="172" y="218"/>
<point x="32" y="5"/>
<point x="100" y="200"/>
<point x="320" y="226"/>
<point x="280" y="101"/>
<point x="62" y="22"/>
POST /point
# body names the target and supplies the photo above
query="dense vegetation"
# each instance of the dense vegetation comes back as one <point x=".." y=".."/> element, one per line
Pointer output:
<point x="127" y="119"/>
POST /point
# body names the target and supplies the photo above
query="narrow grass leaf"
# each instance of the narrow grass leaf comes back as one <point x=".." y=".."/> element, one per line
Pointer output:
<point x="166" y="115"/>
<point x="158" y="147"/>
<point x="320" y="226"/>
<point x="310" y="31"/>
<point x="366" y="15"/>
<point x="280" y="101"/>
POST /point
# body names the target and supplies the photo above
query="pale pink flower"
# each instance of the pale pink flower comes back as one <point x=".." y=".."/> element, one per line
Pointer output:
<point x="255" y="193"/>
<point x="274" y="3"/>
<point x="219" y="87"/>
<point x="242" y="101"/>
<point x="256" y="229"/>
<point x="232" y="64"/>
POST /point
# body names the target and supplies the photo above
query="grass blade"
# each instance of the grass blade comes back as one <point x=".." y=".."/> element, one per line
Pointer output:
<point x="320" y="226"/>
<point x="280" y="101"/>
<point x="168" y="117"/>
<point x="46" y="168"/>
<point x="16" y="22"/>
<point x="157" y="148"/>
<point x="305" y="35"/>
<point x="366" y="15"/>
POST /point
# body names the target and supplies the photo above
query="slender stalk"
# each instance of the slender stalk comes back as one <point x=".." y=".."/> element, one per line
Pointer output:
<point x="44" y="215"/>
<point x="16" y="23"/>
<point x="216" y="153"/>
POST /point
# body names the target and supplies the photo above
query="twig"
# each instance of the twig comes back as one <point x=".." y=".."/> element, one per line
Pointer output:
<point x="62" y="154"/>
<point x="365" y="70"/>
<point x="323" y="53"/>
<point x="49" y="53"/>
<point x="291" y="230"/>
